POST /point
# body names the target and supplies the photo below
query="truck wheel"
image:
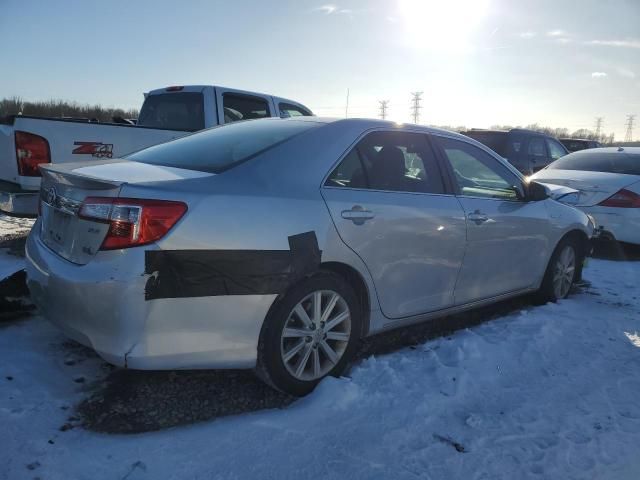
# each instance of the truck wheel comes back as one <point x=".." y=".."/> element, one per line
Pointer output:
<point x="312" y="332"/>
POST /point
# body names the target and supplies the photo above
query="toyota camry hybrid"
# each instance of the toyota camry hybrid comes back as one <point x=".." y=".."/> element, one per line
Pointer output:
<point x="277" y="244"/>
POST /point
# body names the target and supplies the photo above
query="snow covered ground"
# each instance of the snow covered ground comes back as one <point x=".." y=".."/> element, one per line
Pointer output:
<point x="547" y="392"/>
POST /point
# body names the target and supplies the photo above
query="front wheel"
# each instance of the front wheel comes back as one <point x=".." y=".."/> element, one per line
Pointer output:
<point x="562" y="271"/>
<point x="309" y="334"/>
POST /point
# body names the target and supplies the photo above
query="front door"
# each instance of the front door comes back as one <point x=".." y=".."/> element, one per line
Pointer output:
<point x="388" y="202"/>
<point x="507" y="244"/>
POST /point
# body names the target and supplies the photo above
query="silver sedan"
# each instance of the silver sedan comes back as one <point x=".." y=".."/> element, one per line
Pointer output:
<point x="277" y="244"/>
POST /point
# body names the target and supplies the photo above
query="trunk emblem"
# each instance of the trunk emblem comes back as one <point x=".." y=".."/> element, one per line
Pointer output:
<point x="51" y="196"/>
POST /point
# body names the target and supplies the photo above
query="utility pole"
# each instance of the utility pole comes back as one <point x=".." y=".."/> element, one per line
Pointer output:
<point x="346" y="109"/>
<point x="629" y="135"/>
<point x="384" y="104"/>
<point x="415" y="105"/>
<point x="599" y="121"/>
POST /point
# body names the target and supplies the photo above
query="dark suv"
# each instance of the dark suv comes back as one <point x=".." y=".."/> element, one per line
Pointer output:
<point x="576" y="144"/>
<point x="526" y="150"/>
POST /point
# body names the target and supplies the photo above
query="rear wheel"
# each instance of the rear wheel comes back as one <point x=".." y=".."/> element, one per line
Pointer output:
<point x="563" y="270"/>
<point x="309" y="334"/>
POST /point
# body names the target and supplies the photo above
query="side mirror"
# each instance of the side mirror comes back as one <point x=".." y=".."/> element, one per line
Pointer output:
<point x="536" y="192"/>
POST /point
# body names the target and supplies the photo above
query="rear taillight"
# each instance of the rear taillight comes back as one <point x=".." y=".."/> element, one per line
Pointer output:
<point x="31" y="151"/>
<point x="622" y="199"/>
<point x="132" y="221"/>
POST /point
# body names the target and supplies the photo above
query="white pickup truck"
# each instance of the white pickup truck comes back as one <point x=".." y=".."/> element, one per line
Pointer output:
<point x="167" y="113"/>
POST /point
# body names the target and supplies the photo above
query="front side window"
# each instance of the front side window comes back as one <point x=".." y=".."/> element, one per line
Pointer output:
<point x="477" y="173"/>
<point x="390" y="161"/>
<point x="288" y="110"/>
<point x="537" y="148"/>
<point x="555" y="149"/>
<point x="243" y="107"/>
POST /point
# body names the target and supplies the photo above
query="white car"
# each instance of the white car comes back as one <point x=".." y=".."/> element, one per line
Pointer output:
<point x="608" y="184"/>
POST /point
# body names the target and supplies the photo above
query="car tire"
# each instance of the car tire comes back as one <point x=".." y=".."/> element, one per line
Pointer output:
<point x="563" y="270"/>
<point x="323" y="347"/>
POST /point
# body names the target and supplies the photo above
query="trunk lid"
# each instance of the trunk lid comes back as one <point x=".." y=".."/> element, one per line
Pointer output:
<point x="592" y="187"/>
<point x="65" y="187"/>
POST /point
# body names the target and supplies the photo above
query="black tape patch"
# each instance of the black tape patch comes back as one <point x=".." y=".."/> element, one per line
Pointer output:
<point x="204" y="273"/>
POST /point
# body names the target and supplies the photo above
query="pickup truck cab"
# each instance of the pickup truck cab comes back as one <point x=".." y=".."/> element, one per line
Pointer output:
<point x="527" y="150"/>
<point x="166" y="114"/>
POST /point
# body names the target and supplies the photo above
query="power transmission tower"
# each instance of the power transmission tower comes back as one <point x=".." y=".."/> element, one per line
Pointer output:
<point x="629" y="135"/>
<point x="599" y="122"/>
<point x="415" y="105"/>
<point x="384" y="104"/>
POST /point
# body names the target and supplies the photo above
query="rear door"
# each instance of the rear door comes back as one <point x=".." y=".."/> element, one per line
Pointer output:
<point x="389" y="204"/>
<point x="506" y="237"/>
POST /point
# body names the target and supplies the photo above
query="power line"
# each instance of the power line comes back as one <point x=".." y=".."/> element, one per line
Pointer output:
<point x="415" y="106"/>
<point x="629" y="135"/>
<point x="384" y="104"/>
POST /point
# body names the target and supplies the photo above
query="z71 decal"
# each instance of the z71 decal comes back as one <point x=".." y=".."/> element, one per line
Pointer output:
<point x="95" y="149"/>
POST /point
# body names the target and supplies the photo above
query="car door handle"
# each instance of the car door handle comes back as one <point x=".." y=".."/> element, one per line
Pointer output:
<point x="478" y="217"/>
<point x="357" y="215"/>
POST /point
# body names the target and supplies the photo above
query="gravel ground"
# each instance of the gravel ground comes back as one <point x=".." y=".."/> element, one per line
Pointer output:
<point x="129" y="401"/>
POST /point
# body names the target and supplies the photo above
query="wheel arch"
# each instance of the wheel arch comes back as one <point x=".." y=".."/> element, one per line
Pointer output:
<point x="355" y="280"/>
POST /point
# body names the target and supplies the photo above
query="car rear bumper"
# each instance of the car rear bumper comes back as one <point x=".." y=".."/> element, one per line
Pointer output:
<point x="16" y="201"/>
<point x="622" y="223"/>
<point x="102" y="305"/>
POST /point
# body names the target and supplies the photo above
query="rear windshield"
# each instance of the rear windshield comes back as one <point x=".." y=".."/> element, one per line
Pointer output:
<point x="173" y="111"/>
<point x="220" y="148"/>
<point x="496" y="141"/>
<point x="594" y="161"/>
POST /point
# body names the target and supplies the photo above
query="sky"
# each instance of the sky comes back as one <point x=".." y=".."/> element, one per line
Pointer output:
<point x="479" y="63"/>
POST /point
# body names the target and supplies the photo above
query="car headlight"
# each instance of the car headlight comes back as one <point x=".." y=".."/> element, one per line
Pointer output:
<point x="592" y="221"/>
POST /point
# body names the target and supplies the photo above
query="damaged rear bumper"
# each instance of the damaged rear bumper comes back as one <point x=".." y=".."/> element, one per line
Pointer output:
<point x="102" y="305"/>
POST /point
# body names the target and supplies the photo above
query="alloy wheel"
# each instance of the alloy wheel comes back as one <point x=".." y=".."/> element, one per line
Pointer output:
<point x="315" y="335"/>
<point x="564" y="271"/>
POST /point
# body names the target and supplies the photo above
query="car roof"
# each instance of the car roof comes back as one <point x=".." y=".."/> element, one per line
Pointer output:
<point x="577" y="140"/>
<point x="513" y="130"/>
<point x="368" y="123"/>
<point x="602" y="151"/>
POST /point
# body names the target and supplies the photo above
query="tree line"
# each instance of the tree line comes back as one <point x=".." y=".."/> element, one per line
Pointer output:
<point x="63" y="109"/>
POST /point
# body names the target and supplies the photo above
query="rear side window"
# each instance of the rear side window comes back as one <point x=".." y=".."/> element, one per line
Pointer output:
<point x="218" y="149"/>
<point x="173" y="111"/>
<point x="595" y="161"/>
<point x="288" y="110"/>
<point x="243" y="107"/>
<point x="390" y="161"/>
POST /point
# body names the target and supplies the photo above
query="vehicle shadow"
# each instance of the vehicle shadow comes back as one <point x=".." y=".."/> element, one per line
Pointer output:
<point x="610" y="250"/>
<point x="130" y="401"/>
